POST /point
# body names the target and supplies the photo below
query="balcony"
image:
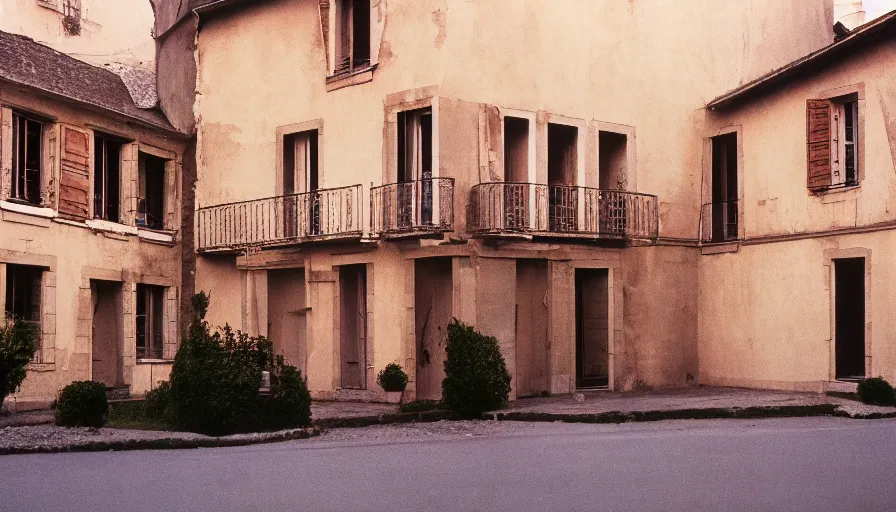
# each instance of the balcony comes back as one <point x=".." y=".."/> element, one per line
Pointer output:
<point x="321" y="215"/>
<point x="718" y="222"/>
<point x="526" y="210"/>
<point x="412" y="209"/>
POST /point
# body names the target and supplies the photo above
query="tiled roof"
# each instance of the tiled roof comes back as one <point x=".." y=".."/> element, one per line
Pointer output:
<point x="861" y="36"/>
<point x="31" y="64"/>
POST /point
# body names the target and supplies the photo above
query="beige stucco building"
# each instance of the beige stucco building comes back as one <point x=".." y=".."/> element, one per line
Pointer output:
<point x="89" y="223"/>
<point x="369" y="169"/>
<point x="796" y="273"/>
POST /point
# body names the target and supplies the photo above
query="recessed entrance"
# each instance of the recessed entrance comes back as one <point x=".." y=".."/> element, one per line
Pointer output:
<point x="592" y="328"/>
<point x="287" y="315"/>
<point x="432" y="309"/>
<point x="849" y="318"/>
<point x="106" y="332"/>
<point x="353" y="325"/>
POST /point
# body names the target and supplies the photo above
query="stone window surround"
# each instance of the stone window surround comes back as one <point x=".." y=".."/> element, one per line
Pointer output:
<point x="706" y="189"/>
<point x="282" y="132"/>
<point x="843" y="193"/>
<point x="412" y="99"/>
<point x="47" y="301"/>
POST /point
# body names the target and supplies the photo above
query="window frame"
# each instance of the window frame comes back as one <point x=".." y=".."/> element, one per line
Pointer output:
<point x="101" y="155"/>
<point x="19" y="167"/>
<point x="35" y="318"/>
<point x="836" y="97"/>
<point x="153" y="331"/>
<point x="344" y="32"/>
<point x="142" y="192"/>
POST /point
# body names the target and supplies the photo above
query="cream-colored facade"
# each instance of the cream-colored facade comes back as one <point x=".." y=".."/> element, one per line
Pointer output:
<point x="768" y="302"/>
<point x="82" y="274"/>
<point x="94" y="31"/>
<point x="531" y="169"/>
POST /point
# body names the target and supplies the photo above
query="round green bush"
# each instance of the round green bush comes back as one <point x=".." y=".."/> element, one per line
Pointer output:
<point x="476" y="377"/>
<point x="82" y="404"/>
<point x="158" y="401"/>
<point x="876" y="391"/>
<point x="392" y="378"/>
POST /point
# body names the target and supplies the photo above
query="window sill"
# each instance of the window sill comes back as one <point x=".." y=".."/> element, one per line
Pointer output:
<point x="41" y="367"/>
<point x="111" y="227"/>
<point x="836" y="195"/>
<point x="152" y="235"/>
<point x="28" y="209"/>
<point x="710" y="248"/>
<point x="155" y="361"/>
<point x="356" y="77"/>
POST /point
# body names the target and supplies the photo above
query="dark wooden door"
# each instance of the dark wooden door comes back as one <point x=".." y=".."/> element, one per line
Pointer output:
<point x="353" y="322"/>
<point x="849" y="318"/>
<point x="592" y="328"/>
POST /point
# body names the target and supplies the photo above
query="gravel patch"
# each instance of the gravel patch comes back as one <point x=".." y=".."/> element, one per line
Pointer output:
<point x="50" y="438"/>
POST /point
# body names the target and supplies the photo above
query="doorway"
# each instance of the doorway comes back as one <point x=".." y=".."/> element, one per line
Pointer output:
<point x="353" y="326"/>
<point x="287" y="315"/>
<point x="531" y="328"/>
<point x="433" y="299"/>
<point x="849" y="319"/>
<point x="106" y="333"/>
<point x="592" y="328"/>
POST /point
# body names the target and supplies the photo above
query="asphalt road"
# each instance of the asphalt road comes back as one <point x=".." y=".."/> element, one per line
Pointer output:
<point x="812" y="464"/>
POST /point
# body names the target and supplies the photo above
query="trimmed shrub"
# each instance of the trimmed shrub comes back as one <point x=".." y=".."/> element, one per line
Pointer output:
<point x="422" y="406"/>
<point x="392" y="378"/>
<point x="157" y="404"/>
<point x="18" y="342"/>
<point x="82" y="403"/>
<point x="215" y="379"/>
<point x="876" y="391"/>
<point x="289" y="404"/>
<point x="476" y="377"/>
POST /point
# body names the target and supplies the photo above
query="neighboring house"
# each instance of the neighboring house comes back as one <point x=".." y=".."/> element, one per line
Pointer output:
<point x="89" y="222"/>
<point x="368" y="170"/>
<point x="799" y="181"/>
<point x="95" y="31"/>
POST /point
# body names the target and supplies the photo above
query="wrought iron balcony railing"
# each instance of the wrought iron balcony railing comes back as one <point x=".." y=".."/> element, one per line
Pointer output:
<point x="324" y="214"/>
<point x="718" y="222"/>
<point x="506" y="208"/>
<point x="412" y="208"/>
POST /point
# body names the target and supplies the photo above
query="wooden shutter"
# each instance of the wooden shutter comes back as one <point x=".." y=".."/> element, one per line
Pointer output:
<point x="818" y="148"/>
<point x="74" y="179"/>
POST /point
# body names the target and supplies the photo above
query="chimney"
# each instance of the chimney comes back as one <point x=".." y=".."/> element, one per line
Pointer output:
<point x="848" y="14"/>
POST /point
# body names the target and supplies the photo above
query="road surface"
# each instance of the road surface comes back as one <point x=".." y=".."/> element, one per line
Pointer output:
<point x="812" y="464"/>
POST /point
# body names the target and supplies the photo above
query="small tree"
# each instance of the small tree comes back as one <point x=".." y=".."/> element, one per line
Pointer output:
<point x="392" y="378"/>
<point x="476" y="377"/>
<point x="18" y="343"/>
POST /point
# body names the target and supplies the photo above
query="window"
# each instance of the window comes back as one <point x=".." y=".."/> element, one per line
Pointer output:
<point x="723" y="209"/>
<point x="106" y="178"/>
<point x="151" y="191"/>
<point x="23" y="289"/>
<point x="352" y="36"/>
<point x="846" y="135"/>
<point x="832" y="136"/>
<point x="562" y="169"/>
<point x="150" y="300"/>
<point x="516" y="149"/>
<point x="415" y="166"/>
<point x="300" y="176"/>
<point x="27" y="161"/>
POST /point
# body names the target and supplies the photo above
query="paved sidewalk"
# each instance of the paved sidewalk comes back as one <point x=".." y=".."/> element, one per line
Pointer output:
<point x="694" y="402"/>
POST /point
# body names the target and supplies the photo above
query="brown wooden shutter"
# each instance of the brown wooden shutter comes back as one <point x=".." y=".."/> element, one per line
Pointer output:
<point x="74" y="180"/>
<point x="818" y="148"/>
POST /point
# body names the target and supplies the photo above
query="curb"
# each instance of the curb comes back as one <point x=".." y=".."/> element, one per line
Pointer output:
<point x="679" y="414"/>
<point x="168" y="443"/>
<point x="384" y="419"/>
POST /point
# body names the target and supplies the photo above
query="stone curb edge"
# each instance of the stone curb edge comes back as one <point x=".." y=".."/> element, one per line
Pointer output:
<point x="168" y="443"/>
<point x="384" y="419"/>
<point x="787" y="411"/>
